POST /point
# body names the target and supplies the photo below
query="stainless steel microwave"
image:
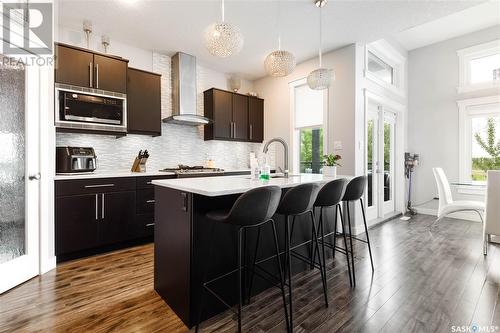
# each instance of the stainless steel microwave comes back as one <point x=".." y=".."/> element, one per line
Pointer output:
<point x="89" y="110"/>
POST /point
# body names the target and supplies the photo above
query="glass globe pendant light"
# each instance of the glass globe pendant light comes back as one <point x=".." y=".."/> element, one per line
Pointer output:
<point x="320" y="78"/>
<point x="280" y="62"/>
<point x="223" y="39"/>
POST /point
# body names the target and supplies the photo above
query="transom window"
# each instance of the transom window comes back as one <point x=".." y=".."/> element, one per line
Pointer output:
<point x="480" y="67"/>
<point x="380" y="69"/>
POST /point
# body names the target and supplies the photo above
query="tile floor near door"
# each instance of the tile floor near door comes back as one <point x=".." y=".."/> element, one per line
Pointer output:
<point x="426" y="280"/>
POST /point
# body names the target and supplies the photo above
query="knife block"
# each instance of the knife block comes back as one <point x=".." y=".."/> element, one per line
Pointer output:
<point x="139" y="165"/>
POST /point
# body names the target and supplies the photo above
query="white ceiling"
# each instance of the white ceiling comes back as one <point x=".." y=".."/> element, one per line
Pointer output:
<point x="170" y="26"/>
<point x="468" y="20"/>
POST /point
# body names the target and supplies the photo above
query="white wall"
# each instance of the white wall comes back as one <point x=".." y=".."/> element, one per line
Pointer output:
<point x="433" y="112"/>
<point x="341" y="106"/>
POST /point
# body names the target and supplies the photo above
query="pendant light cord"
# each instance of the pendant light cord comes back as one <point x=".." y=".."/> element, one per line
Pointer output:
<point x="279" y="27"/>
<point x="222" y="10"/>
<point x="320" y="35"/>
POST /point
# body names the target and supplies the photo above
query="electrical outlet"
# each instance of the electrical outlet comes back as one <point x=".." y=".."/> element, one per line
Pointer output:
<point x="337" y="145"/>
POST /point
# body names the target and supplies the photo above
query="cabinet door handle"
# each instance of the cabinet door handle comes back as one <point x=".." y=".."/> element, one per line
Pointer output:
<point x="97" y="76"/>
<point x="184" y="201"/>
<point x="251" y="132"/>
<point x="96" y="209"/>
<point x="100" y="185"/>
<point x="102" y="207"/>
<point x="234" y="131"/>
<point x="91" y="70"/>
<point x="150" y="201"/>
<point x="150" y="225"/>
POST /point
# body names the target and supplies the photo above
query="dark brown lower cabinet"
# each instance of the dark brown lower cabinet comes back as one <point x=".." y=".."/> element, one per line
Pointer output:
<point x="76" y="223"/>
<point x="118" y="216"/>
<point x="95" y="214"/>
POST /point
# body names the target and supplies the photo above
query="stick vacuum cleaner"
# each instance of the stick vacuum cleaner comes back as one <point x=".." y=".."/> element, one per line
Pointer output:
<point x="411" y="161"/>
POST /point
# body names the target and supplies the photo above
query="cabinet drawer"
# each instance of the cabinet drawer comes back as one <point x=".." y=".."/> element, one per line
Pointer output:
<point x="145" y="182"/>
<point x="98" y="185"/>
<point x="146" y="201"/>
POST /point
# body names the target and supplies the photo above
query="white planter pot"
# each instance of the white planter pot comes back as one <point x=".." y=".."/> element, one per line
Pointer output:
<point x="330" y="171"/>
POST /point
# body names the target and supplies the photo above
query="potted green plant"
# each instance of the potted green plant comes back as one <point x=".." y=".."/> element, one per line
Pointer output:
<point x="330" y="163"/>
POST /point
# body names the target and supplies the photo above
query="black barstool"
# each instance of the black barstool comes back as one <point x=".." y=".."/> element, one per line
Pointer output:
<point x="299" y="200"/>
<point x="330" y="196"/>
<point x="252" y="209"/>
<point x="354" y="192"/>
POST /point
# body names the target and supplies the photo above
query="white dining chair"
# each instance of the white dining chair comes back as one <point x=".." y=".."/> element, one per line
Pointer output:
<point x="492" y="214"/>
<point x="447" y="205"/>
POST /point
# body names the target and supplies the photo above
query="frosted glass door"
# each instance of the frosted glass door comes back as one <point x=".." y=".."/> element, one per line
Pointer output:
<point x="18" y="156"/>
<point x="12" y="169"/>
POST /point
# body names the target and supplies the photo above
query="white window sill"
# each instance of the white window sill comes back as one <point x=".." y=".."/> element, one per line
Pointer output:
<point x="479" y="87"/>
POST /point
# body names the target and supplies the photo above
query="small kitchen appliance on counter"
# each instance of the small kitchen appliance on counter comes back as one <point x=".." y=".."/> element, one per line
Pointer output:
<point x="75" y="160"/>
<point x="185" y="171"/>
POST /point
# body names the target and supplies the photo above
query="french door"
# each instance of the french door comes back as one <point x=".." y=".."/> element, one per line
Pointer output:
<point x="19" y="167"/>
<point x="380" y="160"/>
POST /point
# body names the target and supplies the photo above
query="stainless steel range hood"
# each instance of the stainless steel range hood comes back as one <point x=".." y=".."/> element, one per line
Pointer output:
<point x="184" y="92"/>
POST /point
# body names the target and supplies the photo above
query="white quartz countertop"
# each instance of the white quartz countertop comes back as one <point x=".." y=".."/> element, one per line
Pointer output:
<point x="216" y="186"/>
<point x="122" y="173"/>
<point x="114" y="174"/>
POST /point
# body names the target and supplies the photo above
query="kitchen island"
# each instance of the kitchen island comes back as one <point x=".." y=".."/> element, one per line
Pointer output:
<point x="182" y="240"/>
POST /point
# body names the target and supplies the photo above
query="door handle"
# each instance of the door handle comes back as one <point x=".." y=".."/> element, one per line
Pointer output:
<point x="97" y="76"/>
<point x="91" y="70"/>
<point x="234" y="131"/>
<point x="150" y="201"/>
<point x="150" y="225"/>
<point x="96" y="208"/>
<point x="36" y="176"/>
<point x="102" y="207"/>
<point x="251" y="132"/>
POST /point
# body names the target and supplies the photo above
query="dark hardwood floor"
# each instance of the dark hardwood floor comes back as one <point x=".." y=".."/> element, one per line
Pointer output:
<point x="426" y="280"/>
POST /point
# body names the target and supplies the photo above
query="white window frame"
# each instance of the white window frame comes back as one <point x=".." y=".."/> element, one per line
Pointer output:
<point x="295" y="131"/>
<point x="464" y="58"/>
<point x="384" y="51"/>
<point x="465" y="138"/>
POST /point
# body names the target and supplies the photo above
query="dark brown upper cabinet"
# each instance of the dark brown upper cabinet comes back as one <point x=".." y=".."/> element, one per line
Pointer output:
<point x="84" y="68"/>
<point x="232" y="114"/>
<point x="256" y="119"/>
<point x="143" y="102"/>
<point x="110" y="74"/>
<point x="74" y="66"/>
<point x="240" y="117"/>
